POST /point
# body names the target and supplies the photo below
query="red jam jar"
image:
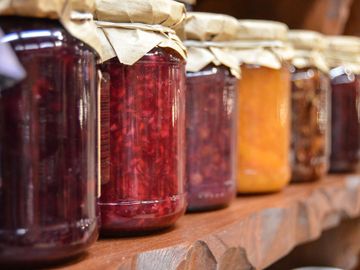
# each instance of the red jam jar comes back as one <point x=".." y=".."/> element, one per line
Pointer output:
<point x="210" y="111"/>
<point x="345" y="94"/>
<point x="145" y="134"/>
<point x="310" y="97"/>
<point x="48" y="139"/>
<point x="143" y="123"/>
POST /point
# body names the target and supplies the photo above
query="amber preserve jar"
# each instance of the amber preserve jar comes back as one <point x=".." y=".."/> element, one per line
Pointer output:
<point x="310" y="130"/>
<point x="48" y="143"/>
<point x="210" y="110"/>
<point x="263" y="114"/>
<point x="143" y="128"/>
<point x="343" y="56"/>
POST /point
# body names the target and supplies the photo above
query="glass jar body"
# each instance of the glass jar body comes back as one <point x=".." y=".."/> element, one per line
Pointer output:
<point x="144" y="130"/>
<point x="263" y="123"/>
<point x="345" y="125"/>
<point x="310" y="124"/>
<point x="210" y="134"/>
<point x="48" y="153"/>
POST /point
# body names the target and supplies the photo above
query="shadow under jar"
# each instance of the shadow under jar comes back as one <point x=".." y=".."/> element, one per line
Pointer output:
<point x="210" y="133"/>
<point x="144" y="132"/>
<point x="345" y="139"/>
<point x="48" y="149"/>
<point x="310" y="124"/>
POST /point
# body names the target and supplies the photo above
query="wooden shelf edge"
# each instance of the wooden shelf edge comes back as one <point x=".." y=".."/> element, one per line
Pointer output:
<point x="251" y="234"/>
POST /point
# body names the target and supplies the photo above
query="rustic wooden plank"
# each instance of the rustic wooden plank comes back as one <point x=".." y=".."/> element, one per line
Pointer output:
<point x="253" y="233"/>
<point x="338" y="247"/>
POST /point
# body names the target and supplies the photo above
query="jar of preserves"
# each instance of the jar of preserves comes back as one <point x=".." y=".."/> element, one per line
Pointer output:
<point x="263" y="115"/>
<point x="48" y="138"/>
<point x="143" y="128"/>
<point x="310" y="98"/>
<point x="210" y="110"/>
<point x="343" y="56"/>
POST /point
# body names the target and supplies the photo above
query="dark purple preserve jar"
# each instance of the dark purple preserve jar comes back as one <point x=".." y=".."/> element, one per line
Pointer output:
<point x="210" y="111"/>
<point x="345" y="139"/>
<point x="48" y="146"/>
<point x="210" y="134"/>
<point x="344" y="59"/>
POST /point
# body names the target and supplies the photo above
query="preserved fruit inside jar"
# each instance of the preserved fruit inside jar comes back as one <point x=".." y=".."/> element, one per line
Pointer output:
<point x="345" y="140"/>
<point x="146" y="133"/>
<point x="263" y="123"/>
<point x="48" y="153"/>
<point x="210" y="126"/>
<point x="310" y="125"/>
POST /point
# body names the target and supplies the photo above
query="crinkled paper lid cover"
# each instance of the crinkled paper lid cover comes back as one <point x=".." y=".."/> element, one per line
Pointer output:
<point x="344" y="51"/>
<point x="208" y="35"/>
<point x="309" y="47"/>
<point x="204" y="26"/>
<point x="75" y="15"/>
<point x="262" y="43"/>
<point x="128" y="29"/>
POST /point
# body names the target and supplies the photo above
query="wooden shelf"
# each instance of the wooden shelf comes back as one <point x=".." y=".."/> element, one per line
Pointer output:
<point x="254" y="232"/>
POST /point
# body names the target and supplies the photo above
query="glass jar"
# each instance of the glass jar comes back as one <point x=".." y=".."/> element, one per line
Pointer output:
<point x="48" y="153"/>
<point x="263" y="122"/>
<point x="310" y="124"/>
<point x="345" y="139"/>
<point x="210" y="127"/>
<point x="145" y="134"/>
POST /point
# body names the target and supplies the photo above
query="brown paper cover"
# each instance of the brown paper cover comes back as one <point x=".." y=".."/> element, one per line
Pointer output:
<point x="128" y="29"/>
<point x="208" y="37"/>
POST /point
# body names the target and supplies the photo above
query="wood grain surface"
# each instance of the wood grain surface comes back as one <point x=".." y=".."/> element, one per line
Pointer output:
<point x="253" y="233"/>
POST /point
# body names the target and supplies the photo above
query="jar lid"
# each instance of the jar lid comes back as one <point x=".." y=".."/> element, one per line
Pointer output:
<point x="346" y="44"/>
<point x="344" y="51"/>
<point x="307" y="40"/>
<point x="204" y="26"/>
<point x="208" y="39"/>
<point x="151" y="12"/>
<point x="261" y="30"/>
<point x="129" y="29"/>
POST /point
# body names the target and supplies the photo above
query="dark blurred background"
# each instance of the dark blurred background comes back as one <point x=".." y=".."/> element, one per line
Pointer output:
<point x="332" y="17"/>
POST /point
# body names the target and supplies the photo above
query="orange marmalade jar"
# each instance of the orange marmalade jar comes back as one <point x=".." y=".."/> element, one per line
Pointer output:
<point x="263" y="115"/>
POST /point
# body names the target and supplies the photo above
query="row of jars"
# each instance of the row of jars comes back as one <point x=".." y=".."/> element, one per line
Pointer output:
<point x="155" y="135"/>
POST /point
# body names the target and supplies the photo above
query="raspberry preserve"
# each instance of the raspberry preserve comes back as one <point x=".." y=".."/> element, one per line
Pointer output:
<point x="345" y="140"/>
<point x="143" y="132"/>
<point x="210" y="133"/>
<point x="48" y="149"/>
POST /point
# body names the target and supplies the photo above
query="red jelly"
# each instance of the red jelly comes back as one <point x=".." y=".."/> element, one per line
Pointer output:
<point x="48" y="149"/>
<point x="144" y="130"/>
<point x="210" y="127"/>
<point x="345" y="143"/>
